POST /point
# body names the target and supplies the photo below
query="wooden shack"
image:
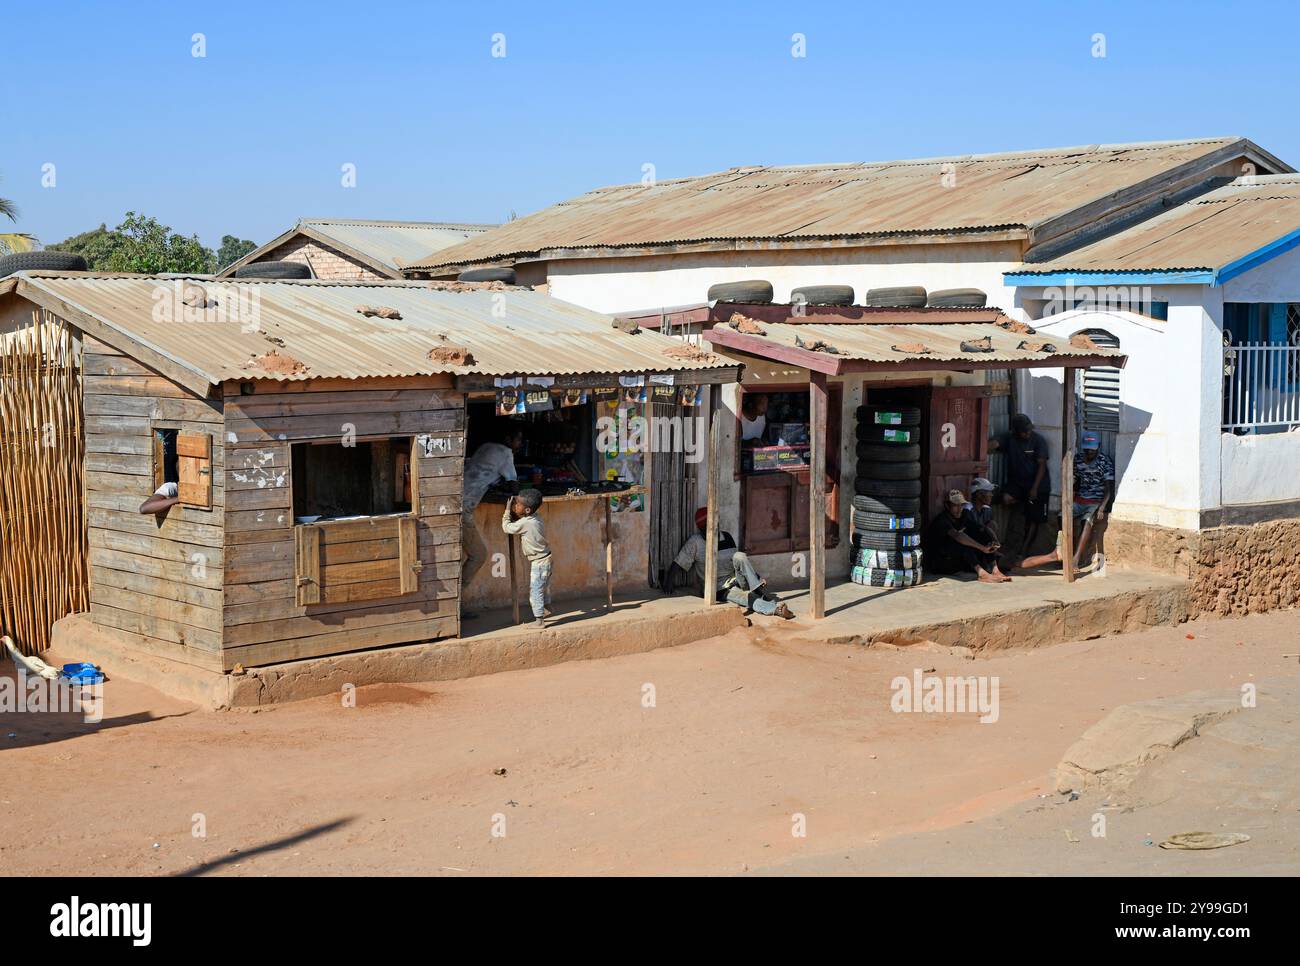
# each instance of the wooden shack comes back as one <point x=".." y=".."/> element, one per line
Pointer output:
<point x="317" y="447"/>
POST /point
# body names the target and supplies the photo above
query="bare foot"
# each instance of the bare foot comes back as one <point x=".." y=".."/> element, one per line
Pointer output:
<point x="1001" y="576"/>
<point x="987" y="578"/>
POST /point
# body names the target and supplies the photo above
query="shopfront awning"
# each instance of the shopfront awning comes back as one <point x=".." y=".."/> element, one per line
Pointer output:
<point x="894" y="343"/>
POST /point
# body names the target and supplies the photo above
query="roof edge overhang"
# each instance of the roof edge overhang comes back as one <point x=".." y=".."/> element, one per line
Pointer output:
<point x="1202" y="275"/>
<point x="687" y="247"/>
<point x="105" y="331"/>
<point x="754" y="345"/>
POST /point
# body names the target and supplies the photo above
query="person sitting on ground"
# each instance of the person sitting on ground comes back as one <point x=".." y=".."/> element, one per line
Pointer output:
<point x="1094" y="490"/>
<point x="955" y="542"/>
<point x="521" y="520"/>
<point x="981" y="504"/>
<point x="738" y="581"/>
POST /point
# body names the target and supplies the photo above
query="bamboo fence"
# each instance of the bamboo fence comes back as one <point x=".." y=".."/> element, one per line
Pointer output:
<point x="42" y="507"/>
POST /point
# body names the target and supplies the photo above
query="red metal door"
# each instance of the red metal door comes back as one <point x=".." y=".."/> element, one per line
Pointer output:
<point x="959" y="440"/>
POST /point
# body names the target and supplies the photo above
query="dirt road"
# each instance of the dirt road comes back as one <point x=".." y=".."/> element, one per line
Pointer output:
<point x="696" y="759"/>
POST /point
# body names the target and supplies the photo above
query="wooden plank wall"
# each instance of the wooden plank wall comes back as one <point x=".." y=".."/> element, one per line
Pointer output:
<point x="156" y="580"/>
<point x="263" y="623"/>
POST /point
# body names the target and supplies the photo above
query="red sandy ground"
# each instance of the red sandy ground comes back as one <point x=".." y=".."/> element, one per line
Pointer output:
<point x="748" y="729"/>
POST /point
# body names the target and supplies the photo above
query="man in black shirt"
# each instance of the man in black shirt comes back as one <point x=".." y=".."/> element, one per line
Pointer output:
<point x="1028" y="483"/>
<point x="955" y="542"/>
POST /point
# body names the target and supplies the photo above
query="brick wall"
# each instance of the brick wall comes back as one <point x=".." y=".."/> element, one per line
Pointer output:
<point x="326" y="262"/>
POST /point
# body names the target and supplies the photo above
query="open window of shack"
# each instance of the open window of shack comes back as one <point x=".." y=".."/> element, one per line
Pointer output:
<point x="773" y="456"/>
<point x="355" y="528"/>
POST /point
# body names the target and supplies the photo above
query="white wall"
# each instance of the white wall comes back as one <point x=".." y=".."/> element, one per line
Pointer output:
<point x="624" y="285"/>
<point x="1260" y="469"/>
<point x="1166" y="452"/>
<point x="1274" y="281"/>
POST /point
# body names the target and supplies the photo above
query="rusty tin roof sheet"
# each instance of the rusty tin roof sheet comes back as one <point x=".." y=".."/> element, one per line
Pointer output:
<point x="1205" y="233"/>
<point x="507" y="331"/>
<point x="1013" y="191"/>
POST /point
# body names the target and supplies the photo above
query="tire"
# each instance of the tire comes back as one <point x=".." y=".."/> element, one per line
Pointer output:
<point x="892" y="435"/>
<point x="274" y="270"/>
<point x="872" y="487"/>
<point x="41" y="261"/>
<point x="886" y="559"/>
<point x="887" y="506"/>
<point x="883" y="522"/>
<point x="755" y="292"/>
<point x="887" y="539"/>
<point x="889" y="471"/>
<point x="823" y="294"/>
<point x="889" y="452"/>
<point x="892" y="415"/>
<point x="957" y="298"/>
<point x="877" y="577"/>
<point x="899" y="297"/>
<point x="506" y="275"/>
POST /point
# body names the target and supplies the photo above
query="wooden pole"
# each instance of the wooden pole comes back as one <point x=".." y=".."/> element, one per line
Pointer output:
<point x="514" y="577"/>
<point x="817" y="408"/>
<point x="609" y="557"/>
<point x="1067" y="476"/>
<point x="715" y="467"/>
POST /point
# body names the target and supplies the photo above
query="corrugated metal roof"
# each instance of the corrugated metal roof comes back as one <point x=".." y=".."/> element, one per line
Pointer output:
<point x="1205" y="233"/>
<point x="386" y="246"/>
<point x="932" y="195"/>
<point x="395" y="243"/>
<point x="874" y="342"/>
<point x="508" y="331"/>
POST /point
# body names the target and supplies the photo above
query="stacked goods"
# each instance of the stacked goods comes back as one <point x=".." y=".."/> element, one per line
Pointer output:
<point x="887" y="501"/>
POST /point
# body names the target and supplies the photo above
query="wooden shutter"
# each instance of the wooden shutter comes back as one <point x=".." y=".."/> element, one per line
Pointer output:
<point x="408" y="555"/>
<point x="306" y="568"/>
<point x="1099" y="391"/>
<point x="194" y="469"/>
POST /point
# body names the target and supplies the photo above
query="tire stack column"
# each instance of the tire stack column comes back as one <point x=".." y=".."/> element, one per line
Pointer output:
<point x="887" y="497"/>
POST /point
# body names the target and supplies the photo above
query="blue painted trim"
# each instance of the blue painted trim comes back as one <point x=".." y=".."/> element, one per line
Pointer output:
<point x="1076" y="279"/>
<point x="1258" y="257"/>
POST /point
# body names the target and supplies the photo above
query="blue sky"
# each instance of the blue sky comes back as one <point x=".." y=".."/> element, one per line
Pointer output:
<point x="254" y="135"/>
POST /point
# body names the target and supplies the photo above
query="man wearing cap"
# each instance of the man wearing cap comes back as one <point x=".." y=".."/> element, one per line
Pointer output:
<point x="981" y="503"/>
<point x="738" y="581"/>
<point x="955" y="542"/>
<point x="1028" y="482"/>
<point x="1094" y="490"/>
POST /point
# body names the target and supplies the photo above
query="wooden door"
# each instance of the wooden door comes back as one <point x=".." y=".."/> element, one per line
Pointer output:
<point x="959" y="441"/>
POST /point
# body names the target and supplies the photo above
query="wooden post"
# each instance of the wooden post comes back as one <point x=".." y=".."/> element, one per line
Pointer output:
<point x="817" y="407"/>
<point x="514" y="577"/>
<point x="609" y="557"/>
<point x="1067" y="476"/>
<point x="715" y="467"/>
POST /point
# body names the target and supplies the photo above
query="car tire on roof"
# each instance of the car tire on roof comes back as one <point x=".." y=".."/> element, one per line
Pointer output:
<point x="41" y="261"/>
<point x="755" y="291"/>
<point x="273" y="270"/>
<point x="958" y="298"/>
<point x="898" y="297"/>
<point x="867" y="486"/>
<point x="506" y="275"/>
<point x="823" y="295"/>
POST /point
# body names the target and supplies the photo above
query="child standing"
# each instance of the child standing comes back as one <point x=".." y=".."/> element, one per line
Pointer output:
<point x="521" y="520"/>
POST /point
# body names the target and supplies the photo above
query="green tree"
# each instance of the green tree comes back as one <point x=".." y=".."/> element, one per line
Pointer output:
<point x="140" y="244"/>
<point x="232" y="250"/>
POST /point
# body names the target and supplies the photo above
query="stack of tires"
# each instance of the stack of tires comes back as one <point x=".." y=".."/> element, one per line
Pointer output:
<point x="887" y="497"/>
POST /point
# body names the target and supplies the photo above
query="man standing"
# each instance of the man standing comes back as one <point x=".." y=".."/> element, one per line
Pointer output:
<point x="490" y="462"/>
<point x="738" y="581"/>
<point x="1028" y="484"/>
